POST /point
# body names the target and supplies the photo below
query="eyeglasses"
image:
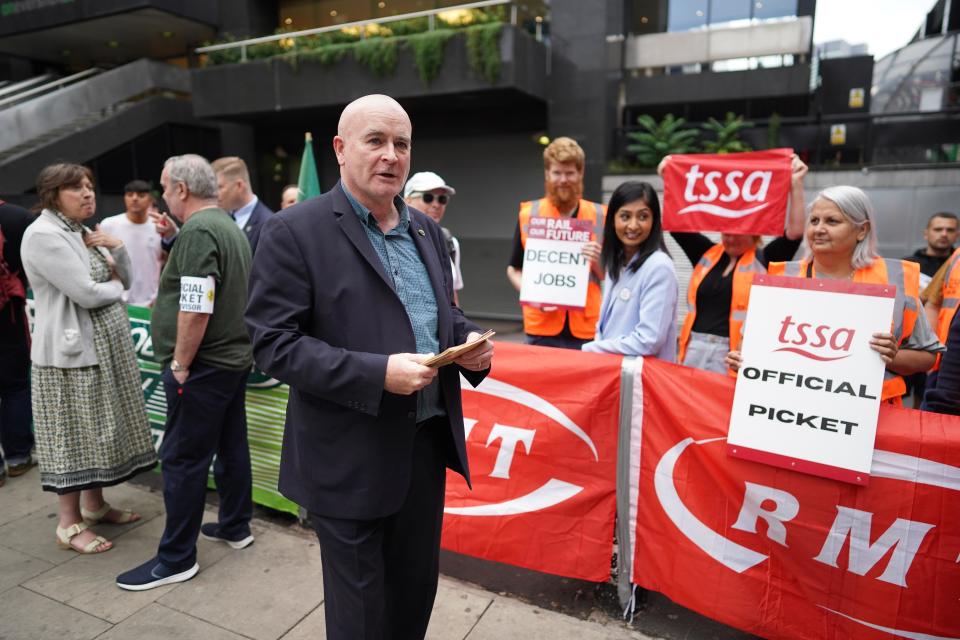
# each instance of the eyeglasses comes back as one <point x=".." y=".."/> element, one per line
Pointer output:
<point x="428" y="197"/>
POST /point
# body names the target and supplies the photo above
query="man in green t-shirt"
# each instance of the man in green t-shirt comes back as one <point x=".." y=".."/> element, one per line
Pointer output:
<point x="199" y="336"/>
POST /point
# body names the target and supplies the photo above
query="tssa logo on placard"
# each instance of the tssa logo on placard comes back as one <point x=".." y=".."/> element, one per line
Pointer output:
<point x="508" y="441"/>
<point x="854" y="542"/>
<point x="815" y="341"/>
<point x="738" y="186"/>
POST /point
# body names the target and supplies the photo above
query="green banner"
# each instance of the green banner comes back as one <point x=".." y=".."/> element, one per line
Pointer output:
<point x="266" y="408"/>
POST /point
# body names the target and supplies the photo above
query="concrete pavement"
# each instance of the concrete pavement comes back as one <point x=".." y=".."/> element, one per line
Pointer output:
<point x="269" y="591"/>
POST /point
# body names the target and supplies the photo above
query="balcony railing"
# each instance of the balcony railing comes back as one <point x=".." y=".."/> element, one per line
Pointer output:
<point x="363" y="25"/>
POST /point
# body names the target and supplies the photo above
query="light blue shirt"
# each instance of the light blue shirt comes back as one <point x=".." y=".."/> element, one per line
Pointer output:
<point x="638" y="314"/>
<point x="243" y="214"/>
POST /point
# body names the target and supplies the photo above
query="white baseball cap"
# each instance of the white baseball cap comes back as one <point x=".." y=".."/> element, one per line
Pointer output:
<point x="426" y="181"/>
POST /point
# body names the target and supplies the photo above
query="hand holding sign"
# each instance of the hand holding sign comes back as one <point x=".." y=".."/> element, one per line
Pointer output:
<point x="745" y="193"/>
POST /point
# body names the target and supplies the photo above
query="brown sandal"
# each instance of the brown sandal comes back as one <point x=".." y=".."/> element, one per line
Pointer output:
<point x="64" y="536"/>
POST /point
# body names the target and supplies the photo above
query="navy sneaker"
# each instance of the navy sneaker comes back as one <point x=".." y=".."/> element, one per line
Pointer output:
<point x="211" y="531"/>
<point x="152" y="574"/>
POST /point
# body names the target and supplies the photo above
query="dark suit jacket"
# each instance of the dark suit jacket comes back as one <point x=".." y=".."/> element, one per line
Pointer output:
<point x="261" y="213"/>
<point x="324" y="316"/>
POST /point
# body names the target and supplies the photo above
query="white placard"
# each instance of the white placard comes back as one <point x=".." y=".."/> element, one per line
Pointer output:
<point x="808" y="391"/>
<point x="555" y="272"/>
<point x="197" y="294"/>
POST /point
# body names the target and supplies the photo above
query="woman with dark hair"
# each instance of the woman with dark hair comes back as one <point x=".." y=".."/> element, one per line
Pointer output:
<point x="639" y="308"/>
<point x="722" y="274"/>
<point x="88" y="409"/>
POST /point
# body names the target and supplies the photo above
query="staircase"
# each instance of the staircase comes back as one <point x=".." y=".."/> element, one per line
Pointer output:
<point x="80" y="117"/>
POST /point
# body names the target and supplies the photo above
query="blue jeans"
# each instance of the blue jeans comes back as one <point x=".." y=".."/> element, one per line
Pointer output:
<point x="16" y="436"/>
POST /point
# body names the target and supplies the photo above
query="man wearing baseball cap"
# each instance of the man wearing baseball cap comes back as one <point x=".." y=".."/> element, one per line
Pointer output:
<point x="428" y="192"/>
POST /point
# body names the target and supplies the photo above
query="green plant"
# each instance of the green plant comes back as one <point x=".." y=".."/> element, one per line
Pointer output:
<point x="409" y="27"/>
<point x="773" y="131"/>
<point x="727" y="134"/>
<point x="483" y="49"/>
<point x="659" y="140"/>
<point x="428" y="52"/>
<point x="378" y="55"/>
<point x="326" y="55"/>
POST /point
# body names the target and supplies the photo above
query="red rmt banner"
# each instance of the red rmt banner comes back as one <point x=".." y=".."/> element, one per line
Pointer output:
<point x="782" y="554"/>
<point x="732" y="192"/>
<point x="542" y="442"/>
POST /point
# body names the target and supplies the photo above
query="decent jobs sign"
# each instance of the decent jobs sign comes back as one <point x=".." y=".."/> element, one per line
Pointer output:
<point x="808" y="392"/>
<point x="555" y="273"/>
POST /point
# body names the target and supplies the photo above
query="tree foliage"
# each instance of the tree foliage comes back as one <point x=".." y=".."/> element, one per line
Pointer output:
<point x="660" y="139"/>
<point x="727" y="134"/>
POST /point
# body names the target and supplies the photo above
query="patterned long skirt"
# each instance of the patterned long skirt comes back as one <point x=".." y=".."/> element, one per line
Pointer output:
<point x="91" y="423"/>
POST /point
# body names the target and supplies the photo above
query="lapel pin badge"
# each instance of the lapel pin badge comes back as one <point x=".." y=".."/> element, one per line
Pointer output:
<point x="421" y="232"/>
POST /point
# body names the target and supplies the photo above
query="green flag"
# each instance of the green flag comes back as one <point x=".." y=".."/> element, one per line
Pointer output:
<point x="308" y="185"/>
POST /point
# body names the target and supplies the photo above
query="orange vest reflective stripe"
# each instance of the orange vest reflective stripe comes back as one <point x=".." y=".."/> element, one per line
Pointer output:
<point x="906" y="307"/>
<point x="583" y="322"/>
<point x="951" y="298"/>
<point x="746" y="266"/>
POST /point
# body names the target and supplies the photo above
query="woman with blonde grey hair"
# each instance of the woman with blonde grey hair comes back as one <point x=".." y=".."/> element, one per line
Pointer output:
<point x="88" y="409"/>
<point x="842" y="245"/>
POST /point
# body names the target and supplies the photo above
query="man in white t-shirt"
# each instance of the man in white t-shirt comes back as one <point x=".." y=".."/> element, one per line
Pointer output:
<point x="142" y="241"/>
<point x="429" y="193"/>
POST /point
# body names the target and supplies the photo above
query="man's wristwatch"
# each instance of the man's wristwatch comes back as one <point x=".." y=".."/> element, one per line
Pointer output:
<point x="176" y="367"/>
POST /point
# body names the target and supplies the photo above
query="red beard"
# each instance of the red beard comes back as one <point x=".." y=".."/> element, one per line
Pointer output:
<point x="565" y="198"/>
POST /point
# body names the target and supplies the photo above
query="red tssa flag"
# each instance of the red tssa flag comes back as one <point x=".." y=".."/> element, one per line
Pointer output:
<point x="730" y="192"/>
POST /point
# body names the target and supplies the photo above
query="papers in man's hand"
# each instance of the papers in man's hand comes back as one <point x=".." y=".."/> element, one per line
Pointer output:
<point x="451" y="354"/>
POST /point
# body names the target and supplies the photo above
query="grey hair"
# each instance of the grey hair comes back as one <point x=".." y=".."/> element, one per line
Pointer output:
<point x="856" y="207"/>
<point x="195" y="172"/>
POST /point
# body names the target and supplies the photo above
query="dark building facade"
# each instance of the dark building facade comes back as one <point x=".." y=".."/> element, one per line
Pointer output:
<point x="122" y="84"/>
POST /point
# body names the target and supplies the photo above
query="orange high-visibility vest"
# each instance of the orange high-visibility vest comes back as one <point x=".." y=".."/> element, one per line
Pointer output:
<point x="746" y="266"/>
<point x="951" y="298"/>
<point x="906" y="276"/>
<point x="583" y="322"/>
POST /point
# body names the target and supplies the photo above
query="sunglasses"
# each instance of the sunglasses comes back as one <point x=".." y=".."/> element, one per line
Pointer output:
<point x="429" y="197"/>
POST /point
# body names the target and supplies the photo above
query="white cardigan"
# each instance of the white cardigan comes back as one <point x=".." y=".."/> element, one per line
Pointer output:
<point x="57" y="264"/>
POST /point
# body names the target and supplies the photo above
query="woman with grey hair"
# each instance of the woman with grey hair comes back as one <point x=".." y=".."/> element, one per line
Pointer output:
<point x="88" y="409"/>
<point x="842" y="245"/>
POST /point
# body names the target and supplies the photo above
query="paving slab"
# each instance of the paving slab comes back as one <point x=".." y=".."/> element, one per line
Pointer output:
<point x="16" y="568"/>
<point x="22" y="496"/>
<point x="156" y="622"/>
<point x="511" y="619"/>
<point x="87" y="582"/>
<point x="456" y="610"/>
<point x="260" y="592"/>
<point x="27" y="615"/>
<point x="310" y="628"/>
<point x="35" y="533"/>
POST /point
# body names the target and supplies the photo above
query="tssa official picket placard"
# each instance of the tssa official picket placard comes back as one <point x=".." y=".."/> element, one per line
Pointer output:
<point x="808" y="391"/>
<point x="555" y="271"/>
<point x="730" y="192"/>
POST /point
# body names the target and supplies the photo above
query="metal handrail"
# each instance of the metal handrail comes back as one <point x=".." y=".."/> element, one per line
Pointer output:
<point x="428" y="13"/>
<point x="14" y="87"/>
<point x="46" y="88"/>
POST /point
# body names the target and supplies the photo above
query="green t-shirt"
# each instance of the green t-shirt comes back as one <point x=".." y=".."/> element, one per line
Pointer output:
<point x="209" y="244"/>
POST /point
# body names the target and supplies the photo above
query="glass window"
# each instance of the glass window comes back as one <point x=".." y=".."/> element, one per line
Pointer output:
<point x="686" y="14"/>
<point x="766" y="9"/>
<point x="729" y="10"/>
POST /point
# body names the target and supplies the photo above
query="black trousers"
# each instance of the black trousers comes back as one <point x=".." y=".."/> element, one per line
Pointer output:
<point x="205" y="416"/>
<point x="380" y="576"/>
